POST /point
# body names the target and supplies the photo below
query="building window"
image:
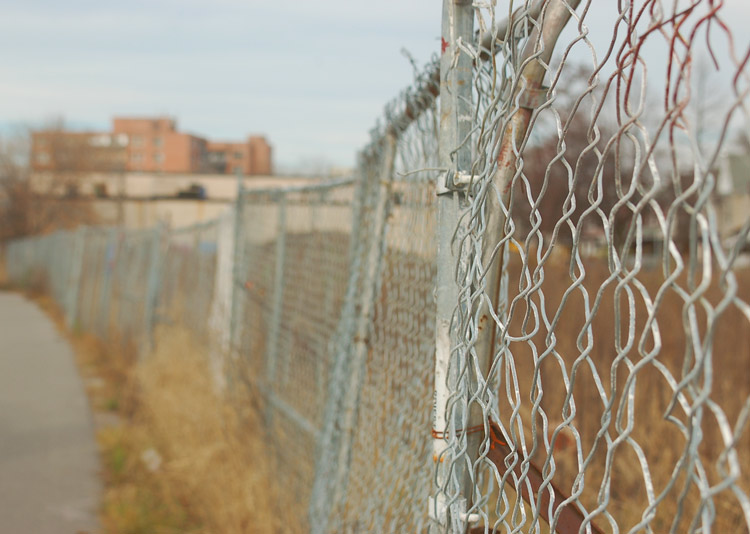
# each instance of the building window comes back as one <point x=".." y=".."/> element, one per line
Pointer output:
<point x="121" y="139"/>
<point x="137" y="140"/>
<point x="157" y="141"/>
<point x="159" y="157"/>
<point x="42" y="158"/>
<point x="100" y="190"/>
<point x="136" y="157"/>
<point x="101" y="140"/>
<point x="238" y="155"/>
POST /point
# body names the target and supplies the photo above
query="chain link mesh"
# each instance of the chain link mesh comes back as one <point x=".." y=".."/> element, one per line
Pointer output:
<point x="601" y="329"/>
<point x="597" y="372"/>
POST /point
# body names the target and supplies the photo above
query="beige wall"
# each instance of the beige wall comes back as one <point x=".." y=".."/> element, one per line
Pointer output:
<point x="141" y="200"/>
<point x="262" y="217"/>
<point x="141" y="213"/>
<point x="150" y="185"/>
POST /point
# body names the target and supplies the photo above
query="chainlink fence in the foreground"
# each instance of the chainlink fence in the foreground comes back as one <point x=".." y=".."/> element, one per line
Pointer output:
<point x="528" y="312"/>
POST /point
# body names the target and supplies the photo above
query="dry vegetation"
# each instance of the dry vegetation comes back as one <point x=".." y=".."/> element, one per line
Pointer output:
<point x="177" y="456"/>
<point x="661" y="440"/>
<point x="214" y="455"/>
<point x="185" y="459"/>
<point x="31" y="204"/>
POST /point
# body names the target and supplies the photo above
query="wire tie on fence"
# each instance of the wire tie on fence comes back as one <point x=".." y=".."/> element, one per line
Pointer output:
<point x="437" y="434"/>
<point x="494" y="440"/>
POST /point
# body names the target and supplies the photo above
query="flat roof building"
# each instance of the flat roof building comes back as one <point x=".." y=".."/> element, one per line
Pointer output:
<point x="146" y="144"/>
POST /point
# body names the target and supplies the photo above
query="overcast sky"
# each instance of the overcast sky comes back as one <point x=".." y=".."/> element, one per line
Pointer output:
<point x="313" y="76"/>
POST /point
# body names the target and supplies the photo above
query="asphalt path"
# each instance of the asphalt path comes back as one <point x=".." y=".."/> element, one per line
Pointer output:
<point x="48" y="458"/>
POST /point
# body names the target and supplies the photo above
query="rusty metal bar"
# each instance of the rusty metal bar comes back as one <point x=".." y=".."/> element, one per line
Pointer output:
<point x="535" y="57"/>
<point x="570" y="519"/>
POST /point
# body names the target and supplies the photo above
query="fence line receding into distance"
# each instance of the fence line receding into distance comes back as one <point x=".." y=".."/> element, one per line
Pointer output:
<point x="529" y="310"/>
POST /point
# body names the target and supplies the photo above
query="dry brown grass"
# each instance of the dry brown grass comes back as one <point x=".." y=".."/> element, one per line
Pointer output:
<point x="177" y="455"/>
<point x="187" y="459"/>
<point x="661" y="440"/>
<point x="214" y="457"/>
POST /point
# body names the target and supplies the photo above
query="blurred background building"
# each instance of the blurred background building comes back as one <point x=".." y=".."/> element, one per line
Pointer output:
<point x="147" y="144"/>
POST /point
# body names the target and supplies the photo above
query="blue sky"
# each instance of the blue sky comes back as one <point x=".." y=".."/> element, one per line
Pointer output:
<point x="313" y="76"/>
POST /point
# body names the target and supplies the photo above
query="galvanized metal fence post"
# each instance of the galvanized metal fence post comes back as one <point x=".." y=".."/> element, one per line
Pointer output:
<point x="105" y="291"/>
<point x="448" y="506"/>
<point x="370" y="286"/>
<point x="334" y="454"/>
<point x="221" y="299"/>
<point x="277" y="299"/>
<point x="75" y="270"/>
<point x="238" y="252"/>
<point x="152" y="286"/>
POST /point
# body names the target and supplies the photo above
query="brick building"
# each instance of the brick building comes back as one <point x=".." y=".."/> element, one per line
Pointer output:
<point x="146" y="145"/>
<point x="251" y="157"/>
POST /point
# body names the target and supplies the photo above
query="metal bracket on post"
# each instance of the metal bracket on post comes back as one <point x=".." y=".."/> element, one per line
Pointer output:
<point x="453" y="181"/>
<point x="459" y="180"/>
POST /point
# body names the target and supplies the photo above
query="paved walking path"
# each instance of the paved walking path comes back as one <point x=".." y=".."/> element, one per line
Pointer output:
<point x="48" y="458"/>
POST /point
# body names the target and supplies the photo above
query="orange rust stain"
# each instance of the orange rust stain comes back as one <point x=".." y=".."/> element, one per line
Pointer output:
<point x="502" y="157"/>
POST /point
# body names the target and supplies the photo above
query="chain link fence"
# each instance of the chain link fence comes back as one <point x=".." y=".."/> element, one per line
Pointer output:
<point x="528" y="312"/>
<point x="593" y="350"/>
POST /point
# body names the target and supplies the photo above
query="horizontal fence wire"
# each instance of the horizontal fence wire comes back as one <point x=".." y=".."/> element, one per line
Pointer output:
<point x="582" y="197"/>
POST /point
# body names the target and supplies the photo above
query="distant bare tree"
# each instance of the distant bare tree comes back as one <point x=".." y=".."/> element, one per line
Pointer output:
<point x="566" y="175"/>
<point x="32" y="205"/>
<point x="15" y="195"/>
<point x="589" y="162"/>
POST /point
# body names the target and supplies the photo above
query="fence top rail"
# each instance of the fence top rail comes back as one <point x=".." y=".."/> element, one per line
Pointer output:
<point x="317" y="186"/>
<point x="135" y="233"/>
<point x="196" y="227"/>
